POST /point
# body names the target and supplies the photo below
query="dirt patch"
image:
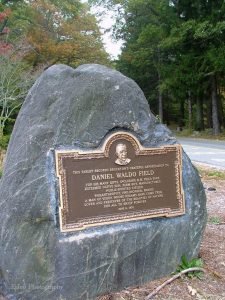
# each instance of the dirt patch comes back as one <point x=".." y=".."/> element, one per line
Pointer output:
<point x="212" y="284"/>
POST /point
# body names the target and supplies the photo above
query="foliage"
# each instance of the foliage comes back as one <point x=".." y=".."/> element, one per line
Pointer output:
<point x="5" y="46"/>
<point x="63" y="32"/>
<point x="175" y="52"/>
<point x="45" y="32"/>
<point x="53" y="31"/>
<point x="4" y="140"/>
<point x="214" y="220"/>
<point x="194" y="262"/>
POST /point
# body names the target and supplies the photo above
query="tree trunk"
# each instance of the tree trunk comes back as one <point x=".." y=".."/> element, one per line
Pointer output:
<point x="160" y="97"/>
<point x="221" y="110"/>
<point x="209" y="111"/>
<point x="189" y="111"/>
<point x="215" y="114"/>
<point x="160" y="106"/>
<point x="199" y="114"/>
<point x="182" y="115"/>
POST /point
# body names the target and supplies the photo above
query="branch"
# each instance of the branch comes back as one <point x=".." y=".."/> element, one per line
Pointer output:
<point x="214" y="273"/>
<point x="3" y="25"/>
<point x="172" y="279"/>
<point x="5" y="1"/>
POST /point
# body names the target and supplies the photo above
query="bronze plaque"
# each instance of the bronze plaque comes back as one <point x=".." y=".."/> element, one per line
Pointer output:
<point x="121" y="181"/>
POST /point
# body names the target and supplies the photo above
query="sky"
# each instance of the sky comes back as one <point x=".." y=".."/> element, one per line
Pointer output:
<point x="112" y="47"/>
<point x="106" y="22"/>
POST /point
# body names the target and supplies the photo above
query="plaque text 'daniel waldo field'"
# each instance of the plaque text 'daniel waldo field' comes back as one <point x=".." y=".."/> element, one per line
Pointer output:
<point x="121" y="181"/>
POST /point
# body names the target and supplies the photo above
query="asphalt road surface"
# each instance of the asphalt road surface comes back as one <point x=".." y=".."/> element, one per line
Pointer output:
<point x="209" y="152"/>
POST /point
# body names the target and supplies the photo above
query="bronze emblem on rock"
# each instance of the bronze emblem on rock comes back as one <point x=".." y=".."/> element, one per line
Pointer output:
<point x="121" y="181"/>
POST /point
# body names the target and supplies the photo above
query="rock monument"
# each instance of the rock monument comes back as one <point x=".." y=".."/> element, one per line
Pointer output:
<point x="76" y="109"/>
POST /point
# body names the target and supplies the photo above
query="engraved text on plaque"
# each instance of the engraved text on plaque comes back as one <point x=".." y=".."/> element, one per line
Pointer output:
<point x="122" y="181"/>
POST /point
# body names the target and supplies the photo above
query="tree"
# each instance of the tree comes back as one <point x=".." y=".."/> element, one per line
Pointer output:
<point x="63" y="32"/>
<point x="14" y="79"/>
<point x="37" y="34"/>
<point x="175" y="50"/>
<point x="148" y="24"/>
<point x="5" y="46"/>
<point x="14" y="84"/>
<point x="45" y="32"/>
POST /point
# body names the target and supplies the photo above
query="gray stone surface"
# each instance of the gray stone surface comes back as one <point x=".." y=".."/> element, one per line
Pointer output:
<point x="68" y="107"/>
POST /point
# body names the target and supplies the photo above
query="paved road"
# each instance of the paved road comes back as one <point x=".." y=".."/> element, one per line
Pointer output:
<point x="210" y="152"/>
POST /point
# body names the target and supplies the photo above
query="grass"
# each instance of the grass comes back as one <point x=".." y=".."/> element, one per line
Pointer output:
<point x="193" y="263"/>
<point x="207" y="134"/>
<point x="214" y="220"/>
<point x="210" y="173"/>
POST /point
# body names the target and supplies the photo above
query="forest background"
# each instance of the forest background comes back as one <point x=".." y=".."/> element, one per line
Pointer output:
<point x="174" y="50"/>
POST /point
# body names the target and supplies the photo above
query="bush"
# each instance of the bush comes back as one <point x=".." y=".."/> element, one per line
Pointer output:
<point x="4" y="140"/>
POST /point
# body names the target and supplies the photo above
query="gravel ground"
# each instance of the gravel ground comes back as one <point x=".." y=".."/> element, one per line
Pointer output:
<point x="212" y="252"/>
